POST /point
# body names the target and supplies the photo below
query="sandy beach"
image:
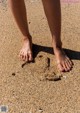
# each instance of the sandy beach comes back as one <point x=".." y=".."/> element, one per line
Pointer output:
<point x="39" y="87"/>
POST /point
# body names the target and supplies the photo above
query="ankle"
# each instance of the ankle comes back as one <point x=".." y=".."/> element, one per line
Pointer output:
<point x="27" y="38"/>
<point x="57" y="46"/>
<point x="56" y="43"/>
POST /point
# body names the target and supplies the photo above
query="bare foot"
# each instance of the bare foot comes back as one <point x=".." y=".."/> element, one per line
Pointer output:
<point x="64" y="63"/>
<point x="26" y="51"/>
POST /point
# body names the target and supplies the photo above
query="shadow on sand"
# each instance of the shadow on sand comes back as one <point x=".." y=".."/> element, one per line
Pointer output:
<point x="74" y="55"/>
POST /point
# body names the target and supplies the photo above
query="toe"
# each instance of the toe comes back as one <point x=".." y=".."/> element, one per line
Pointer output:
<point x="23" y="57"/>
<point x="30" y="57"/>
<point x="65" y="67"/>
<point x="70" y="61"/>
<point x="26" y="58"/>
<point x="69" y="64"/>
<point x="68" y="67"/>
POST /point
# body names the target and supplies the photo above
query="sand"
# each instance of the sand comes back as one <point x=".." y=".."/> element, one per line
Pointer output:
<point x="33" y="88"/>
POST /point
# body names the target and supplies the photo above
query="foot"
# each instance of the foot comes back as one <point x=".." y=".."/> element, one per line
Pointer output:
<point x="64" y="63"/>
<point x="26" y="51"/>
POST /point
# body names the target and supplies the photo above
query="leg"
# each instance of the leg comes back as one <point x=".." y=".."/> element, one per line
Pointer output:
<point x="19" y="11"/>
<point x="53" y="13"/>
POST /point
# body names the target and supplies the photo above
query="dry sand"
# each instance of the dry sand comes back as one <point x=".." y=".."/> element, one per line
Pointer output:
<point x="27" y="90"/>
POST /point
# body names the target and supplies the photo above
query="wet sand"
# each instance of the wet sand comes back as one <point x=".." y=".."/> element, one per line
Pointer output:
<point x="39" y="87"/>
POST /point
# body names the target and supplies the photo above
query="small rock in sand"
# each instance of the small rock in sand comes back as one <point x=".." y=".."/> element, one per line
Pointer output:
<point x="40" y="110"/>
<point x="13" y="74"/>
<point x="64" y="77"/>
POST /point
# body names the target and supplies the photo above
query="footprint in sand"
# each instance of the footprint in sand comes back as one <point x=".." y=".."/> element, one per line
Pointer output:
<point x="46" y="71"/>
<point x="43" y="70"/>
<point x="43" y="63"/>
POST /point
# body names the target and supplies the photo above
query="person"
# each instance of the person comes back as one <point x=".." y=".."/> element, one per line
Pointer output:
<point x="52" y="9"/>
